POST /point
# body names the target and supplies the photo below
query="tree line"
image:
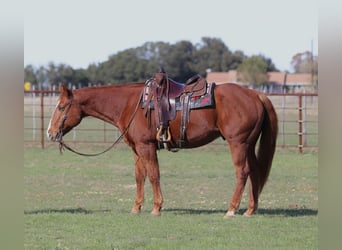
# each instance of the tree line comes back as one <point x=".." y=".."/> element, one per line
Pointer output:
<point x="181" y="60"/>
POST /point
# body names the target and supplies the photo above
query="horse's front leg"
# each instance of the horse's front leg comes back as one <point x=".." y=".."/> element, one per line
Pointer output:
<point x="140" y="176"/>
<point x="148" y="156"/>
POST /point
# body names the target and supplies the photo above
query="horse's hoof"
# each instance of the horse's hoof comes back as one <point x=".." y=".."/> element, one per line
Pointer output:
<point x="135" y="211"/>
<point x="229" y="214"/>
<point x="155" y="213"/>
<point x="249" y="212"/>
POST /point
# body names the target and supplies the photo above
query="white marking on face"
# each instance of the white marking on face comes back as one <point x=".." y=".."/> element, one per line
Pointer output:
<point x="47" y="131"/>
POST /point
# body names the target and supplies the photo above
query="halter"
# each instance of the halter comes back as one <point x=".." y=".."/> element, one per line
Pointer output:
<point x="59" y="135"/>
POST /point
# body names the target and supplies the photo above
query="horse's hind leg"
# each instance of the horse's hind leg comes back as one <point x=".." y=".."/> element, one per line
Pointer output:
<point x="254" y="185"/>
<point x="239" y="157"/>
<point x="245" y="163"/>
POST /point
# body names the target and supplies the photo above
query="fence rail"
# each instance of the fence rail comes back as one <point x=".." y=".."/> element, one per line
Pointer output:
<point x="297" y="117"/>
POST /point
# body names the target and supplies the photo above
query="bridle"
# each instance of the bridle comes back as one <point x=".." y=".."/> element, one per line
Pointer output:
<point x="62" y="144"/>
<point x="59" y="135"/>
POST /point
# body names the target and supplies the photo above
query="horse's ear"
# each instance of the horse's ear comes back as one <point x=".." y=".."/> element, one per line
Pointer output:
<point x="65" y="91"/>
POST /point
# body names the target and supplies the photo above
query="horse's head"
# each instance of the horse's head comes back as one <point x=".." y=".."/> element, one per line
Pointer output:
<point x="66" y="115"/>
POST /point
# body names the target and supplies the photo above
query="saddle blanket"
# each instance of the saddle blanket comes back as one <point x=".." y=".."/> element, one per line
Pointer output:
<point x="204" y="101"/>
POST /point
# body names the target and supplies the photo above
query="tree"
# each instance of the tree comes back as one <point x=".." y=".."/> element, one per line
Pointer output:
<point x="41" y="75"/>
<point x="80" y="77"/>
<point x="212" y="54"/>
<point x="30" y="75"/>
<point x="269" y="64"/>
<point x="253" y="71"/>
<point x="65" y="74"/>
<point x="94" y="74"/>
<point x="155" y="55"/>
<point x="180" y="61"/>
<point x="305" y="62"/>
<point x="237" y="58"/>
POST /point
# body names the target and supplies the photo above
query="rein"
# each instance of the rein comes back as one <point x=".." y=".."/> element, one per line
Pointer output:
<point x="63" y="146"/>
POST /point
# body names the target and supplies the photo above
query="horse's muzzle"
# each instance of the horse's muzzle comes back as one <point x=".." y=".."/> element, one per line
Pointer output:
<point x="57" y="137"/>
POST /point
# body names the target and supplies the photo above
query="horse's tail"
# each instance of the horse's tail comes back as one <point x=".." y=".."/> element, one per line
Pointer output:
<point x="269" y="132"/>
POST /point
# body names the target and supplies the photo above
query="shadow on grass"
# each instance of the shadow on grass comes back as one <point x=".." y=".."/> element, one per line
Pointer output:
<point x="288" y="212"/>
<point x="65" y="210"/>
<point x="291" y="212"/>
<point x="295" y="212"/>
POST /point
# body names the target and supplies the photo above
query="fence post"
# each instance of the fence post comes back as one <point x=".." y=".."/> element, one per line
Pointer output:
<point x="305" y="143"/>
<point x="42" y="131"/>
<point x="33" y="114"/>
<point x="300" y="124"/>
<point x="283" y="106"/>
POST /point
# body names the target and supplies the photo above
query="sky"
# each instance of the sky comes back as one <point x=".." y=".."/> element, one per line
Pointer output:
<point x="78" y="33"/>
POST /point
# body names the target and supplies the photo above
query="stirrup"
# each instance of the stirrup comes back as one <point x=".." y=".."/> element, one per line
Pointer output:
<point x="161" y="136"/>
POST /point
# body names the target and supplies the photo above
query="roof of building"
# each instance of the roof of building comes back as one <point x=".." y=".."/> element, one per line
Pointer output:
<point x="276" y="77"/>
<point x="222" y="77"/>
<point x="303" y="79"/>
<point x="273" y="77"/>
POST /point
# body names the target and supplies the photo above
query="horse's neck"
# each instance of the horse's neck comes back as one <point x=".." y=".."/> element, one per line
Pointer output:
<point x="107" y="104"/>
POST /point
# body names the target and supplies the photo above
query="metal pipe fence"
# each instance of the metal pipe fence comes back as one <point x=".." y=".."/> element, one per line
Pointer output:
<point x="297" y="118"/>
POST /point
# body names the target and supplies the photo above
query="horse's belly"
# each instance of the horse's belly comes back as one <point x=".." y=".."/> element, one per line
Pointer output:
<point x="200" y="130"/>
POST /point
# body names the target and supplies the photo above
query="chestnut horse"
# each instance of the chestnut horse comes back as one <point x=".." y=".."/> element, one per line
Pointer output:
<point x="240" y="116"/>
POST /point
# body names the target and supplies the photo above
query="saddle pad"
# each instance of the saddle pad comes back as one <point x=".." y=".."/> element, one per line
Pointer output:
<point x="204" y="101"/>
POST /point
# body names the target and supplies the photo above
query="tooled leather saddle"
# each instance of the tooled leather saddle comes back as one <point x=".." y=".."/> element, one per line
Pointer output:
<point x="167" y="96"/>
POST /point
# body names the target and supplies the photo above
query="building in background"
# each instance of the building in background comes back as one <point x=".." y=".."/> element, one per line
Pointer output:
<point x="277" y="82"/>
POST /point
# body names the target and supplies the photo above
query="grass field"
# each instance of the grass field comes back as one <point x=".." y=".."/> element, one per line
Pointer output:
<point x="74" y="202"/>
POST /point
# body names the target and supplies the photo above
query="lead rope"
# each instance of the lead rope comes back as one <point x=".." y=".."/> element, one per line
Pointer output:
<point x="63" y="146"/>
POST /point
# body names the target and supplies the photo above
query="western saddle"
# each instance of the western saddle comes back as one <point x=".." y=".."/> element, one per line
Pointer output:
<point x="165" y="93"/>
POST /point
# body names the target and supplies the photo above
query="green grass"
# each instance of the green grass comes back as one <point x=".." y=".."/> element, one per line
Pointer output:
<point x="74" y="202"/>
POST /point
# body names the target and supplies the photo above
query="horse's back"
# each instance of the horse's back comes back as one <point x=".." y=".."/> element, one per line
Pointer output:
<point x="228" y="89"/>
<point x="236" y="96"/>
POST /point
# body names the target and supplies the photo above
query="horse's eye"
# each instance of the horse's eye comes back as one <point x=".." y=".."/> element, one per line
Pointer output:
<point x="61" y="108"/>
